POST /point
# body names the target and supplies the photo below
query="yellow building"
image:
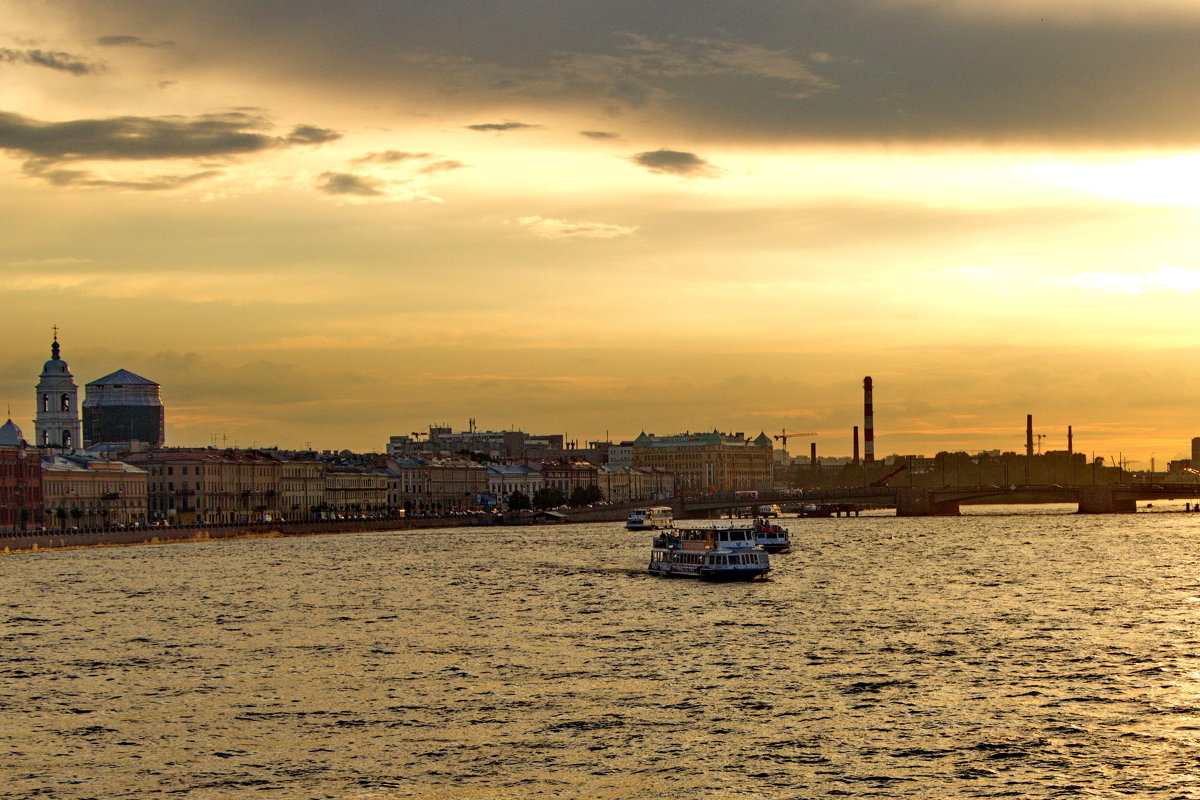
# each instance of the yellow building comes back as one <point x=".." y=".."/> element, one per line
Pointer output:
<point x="354" y="491"/>
<point x="438" y="486"/>
<point x="212" y="486"/>
<point x="708" y="462"/>
<point x="302" y="486"/>
<point x="80" y="490"/>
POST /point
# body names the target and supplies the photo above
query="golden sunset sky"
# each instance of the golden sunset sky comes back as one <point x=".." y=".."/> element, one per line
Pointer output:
<point x="324" y="223"/>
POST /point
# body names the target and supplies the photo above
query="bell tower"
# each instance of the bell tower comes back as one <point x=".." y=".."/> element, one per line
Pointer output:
<point x="56" y="424"/>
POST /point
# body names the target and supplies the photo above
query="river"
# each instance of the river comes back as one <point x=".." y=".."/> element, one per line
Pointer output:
<point x="1009" y="653"/>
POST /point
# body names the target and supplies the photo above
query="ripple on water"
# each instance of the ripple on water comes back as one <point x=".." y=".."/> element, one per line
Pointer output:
<point x="999" y="655"/>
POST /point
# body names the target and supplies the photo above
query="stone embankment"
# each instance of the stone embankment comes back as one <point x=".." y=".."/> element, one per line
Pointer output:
<point x="57" y="540"/>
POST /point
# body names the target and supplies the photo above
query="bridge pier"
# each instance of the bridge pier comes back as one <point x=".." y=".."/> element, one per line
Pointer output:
<point x="1103" y="500"/>
<point x="914" y="502"/>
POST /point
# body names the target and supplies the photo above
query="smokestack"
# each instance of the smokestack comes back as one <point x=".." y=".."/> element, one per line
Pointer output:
<point x="856" y="445"/>
<point x="812" y="455"/>
<point x="1070" y="443"/>
<point x="1029" y="435"/>
<point x="868" y="422"/>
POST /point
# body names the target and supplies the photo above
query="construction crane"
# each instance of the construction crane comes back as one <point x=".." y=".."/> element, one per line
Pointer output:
<point x="786" y="434"/>
<point x="418" y="434"/>
<point x="883" y="481"/>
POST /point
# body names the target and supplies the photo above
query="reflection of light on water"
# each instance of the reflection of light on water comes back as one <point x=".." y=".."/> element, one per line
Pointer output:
<point x="1008" y="647"/>
<point x="1023" y="509"/>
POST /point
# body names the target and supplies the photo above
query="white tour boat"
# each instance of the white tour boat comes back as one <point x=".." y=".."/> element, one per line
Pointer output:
<point x="771" y="536"/>
<point x="655" y="518"/>
<point x="709" y="553"/>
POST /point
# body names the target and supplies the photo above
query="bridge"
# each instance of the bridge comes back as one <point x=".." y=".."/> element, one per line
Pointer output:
<point x="910" y="501"/>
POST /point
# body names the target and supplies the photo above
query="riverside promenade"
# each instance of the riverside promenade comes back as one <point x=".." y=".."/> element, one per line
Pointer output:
<point x="30" y="542"/>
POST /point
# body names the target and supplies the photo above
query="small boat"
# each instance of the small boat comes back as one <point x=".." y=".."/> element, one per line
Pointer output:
<point x="655" y="518"/>
<point x="709" y="553"/>
<point x="771" y="536"/>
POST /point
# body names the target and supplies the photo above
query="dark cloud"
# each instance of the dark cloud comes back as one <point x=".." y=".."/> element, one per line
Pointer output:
<point x="674" y="162"/>
<point x="390" y="157"/>
<point x="744" y="70"/>
<point x="503" y="126"/>
<point x="310" y="134"/>
<point x="63" y="62"/>
<point x="600" y="135"/>
<point x="345" y="183"/>
<point x="148" y="138"/>
<point x="130" y="41"/>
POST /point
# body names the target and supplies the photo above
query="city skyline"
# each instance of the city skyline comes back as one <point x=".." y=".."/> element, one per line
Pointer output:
<point x="331" y="226"/>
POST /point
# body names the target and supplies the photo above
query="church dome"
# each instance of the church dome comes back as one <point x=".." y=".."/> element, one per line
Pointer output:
<point x="10" y="435"/>
<point x="55" y="367"/>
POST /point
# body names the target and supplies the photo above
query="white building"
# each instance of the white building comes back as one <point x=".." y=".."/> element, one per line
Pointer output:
<point x="56" y="424"/>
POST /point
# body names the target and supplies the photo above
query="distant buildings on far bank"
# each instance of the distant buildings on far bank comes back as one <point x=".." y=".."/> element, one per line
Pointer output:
<point x="104" y="462"/>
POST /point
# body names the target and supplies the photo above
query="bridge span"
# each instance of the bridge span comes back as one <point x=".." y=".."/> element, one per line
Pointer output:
<point x="910" y="501"/>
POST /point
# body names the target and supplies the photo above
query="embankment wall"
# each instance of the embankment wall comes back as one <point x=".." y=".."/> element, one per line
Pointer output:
<point x="62" y="540"/>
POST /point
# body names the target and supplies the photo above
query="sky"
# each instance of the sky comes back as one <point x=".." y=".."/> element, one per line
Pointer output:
<point x="325" y="223"/>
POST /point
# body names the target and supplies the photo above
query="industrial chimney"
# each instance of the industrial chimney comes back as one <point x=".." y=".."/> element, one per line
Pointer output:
<point x="1029" y="435"/>
<point x="868" y="422"/>
<point x="856" y="445"/>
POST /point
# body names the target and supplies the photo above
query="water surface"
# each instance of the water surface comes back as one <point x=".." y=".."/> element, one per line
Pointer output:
<point x="998" y="655"/>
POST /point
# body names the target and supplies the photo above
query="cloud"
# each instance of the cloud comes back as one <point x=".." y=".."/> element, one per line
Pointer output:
<point x="600" y="135"/>
<point x="88" y="179"/>
<point x="240" y="289"/>
<point x="1164" y="278"/>
<point x="969" y="71"/>
<point x="345" y="183"/>
<point x="674" y="162"/>
<point x="63" y="62"/>
<point x="310" y="134"/>
<point x="503" y="126"/>
<point x="390" y="157"/>
<point x="48" y="262"/>
<point x="49" y="145"/>
<point x="549" y="228"/>
<point x="442" y="166"/>
<point x="149" y="138"/>
<point x="130" y="41"/>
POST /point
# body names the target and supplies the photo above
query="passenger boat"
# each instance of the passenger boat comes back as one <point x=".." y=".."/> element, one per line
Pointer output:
<point x="771" y="536"/>
<point x="655" y="518"/>
<point x="709" y="553"/>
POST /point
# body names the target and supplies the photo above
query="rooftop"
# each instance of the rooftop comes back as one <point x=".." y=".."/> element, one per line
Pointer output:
<point x="122" y="377"/>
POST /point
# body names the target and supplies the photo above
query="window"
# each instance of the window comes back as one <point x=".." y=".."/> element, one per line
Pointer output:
<point x="66" y="402"/>
<point x="45" y="402"/>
